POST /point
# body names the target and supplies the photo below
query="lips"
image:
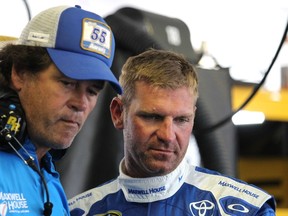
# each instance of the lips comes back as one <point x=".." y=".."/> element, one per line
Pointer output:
<point x="163" y="151"/>
<point x="72" y="121"/>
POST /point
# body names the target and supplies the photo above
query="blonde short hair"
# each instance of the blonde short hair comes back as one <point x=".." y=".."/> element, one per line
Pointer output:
<point x="159" y="68"/>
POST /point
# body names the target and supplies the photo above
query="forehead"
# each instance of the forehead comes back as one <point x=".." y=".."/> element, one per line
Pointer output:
<point x="156" y="98"/>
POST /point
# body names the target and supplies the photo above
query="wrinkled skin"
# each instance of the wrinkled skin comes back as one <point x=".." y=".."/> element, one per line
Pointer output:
<point x="55" y="106"/>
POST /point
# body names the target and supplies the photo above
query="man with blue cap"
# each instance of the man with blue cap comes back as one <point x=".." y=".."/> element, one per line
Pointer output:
<point x="50" y="82"/>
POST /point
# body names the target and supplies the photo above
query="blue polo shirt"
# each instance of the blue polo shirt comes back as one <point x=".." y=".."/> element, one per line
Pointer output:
<point x="21" y="188"/>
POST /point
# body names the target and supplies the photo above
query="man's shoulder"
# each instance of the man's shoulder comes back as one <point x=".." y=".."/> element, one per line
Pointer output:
<point x="7" y="158"/>
<point x="226" y="188"/>
<point x="93" y="195"/>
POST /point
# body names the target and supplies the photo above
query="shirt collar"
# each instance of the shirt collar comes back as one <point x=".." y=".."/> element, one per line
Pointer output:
<point x="152" y="188"/>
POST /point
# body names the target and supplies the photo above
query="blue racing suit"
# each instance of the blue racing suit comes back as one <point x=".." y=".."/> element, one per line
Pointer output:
<point x="188" y="190"/>
<point x="21" y="188"/>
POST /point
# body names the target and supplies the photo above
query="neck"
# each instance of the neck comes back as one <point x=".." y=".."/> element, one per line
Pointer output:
<point x="41" y="151"/>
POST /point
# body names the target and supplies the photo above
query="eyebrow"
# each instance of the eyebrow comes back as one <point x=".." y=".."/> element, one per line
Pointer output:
<point x="144" y="112"/>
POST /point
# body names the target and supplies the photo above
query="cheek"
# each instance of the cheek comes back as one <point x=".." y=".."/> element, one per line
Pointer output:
<point x="90" y="107"/>
<point x="32" y="103"/>
<point x="140" y="129"/>
<point x="183" y="136"/>
<point x="93" y="103"/>
<point x="134" y="130"/>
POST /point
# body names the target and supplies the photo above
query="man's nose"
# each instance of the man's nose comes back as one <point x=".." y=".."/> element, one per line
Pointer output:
<point x="166" y="130"/>
<point x="78" y="101"/>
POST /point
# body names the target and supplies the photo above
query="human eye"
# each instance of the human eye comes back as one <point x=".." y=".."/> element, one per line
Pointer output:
<point x="150" y="116"/>
<point x="93" y="91"/>
<point x="68" y="83"/>
<point x="182" y="119"/>
<point x="94" y="88"/>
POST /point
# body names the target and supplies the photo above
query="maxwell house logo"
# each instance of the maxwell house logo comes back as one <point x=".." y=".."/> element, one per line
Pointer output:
<point x="145" y="192"/>
<point x="3" y="209"/>
<point x="13" y="203"/>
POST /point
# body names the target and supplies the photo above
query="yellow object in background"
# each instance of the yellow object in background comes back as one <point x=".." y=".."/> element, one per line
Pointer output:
<point x="274" y="105"/>
<point x="6" y="39"/>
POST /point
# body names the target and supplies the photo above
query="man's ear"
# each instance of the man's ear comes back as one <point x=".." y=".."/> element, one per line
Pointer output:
<point x="116" y="111"/>
<point x="16" y="79"/>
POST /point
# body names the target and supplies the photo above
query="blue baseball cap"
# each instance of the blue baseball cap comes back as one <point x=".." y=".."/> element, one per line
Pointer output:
<point x="79" y="42"/>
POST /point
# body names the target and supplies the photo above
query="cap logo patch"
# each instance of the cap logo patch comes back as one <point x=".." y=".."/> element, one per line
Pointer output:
<point x="96" y="37"/>
<point x="40" y="37"/>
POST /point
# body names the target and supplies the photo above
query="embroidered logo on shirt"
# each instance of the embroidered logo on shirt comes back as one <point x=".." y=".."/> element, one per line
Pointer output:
<point x="203" y="207"/>
<point x="147" y="191"/>
<point x="110" y="213"/>
<point x="3" y="209"/>
<point x="241" y="190"/>
<point x="13" y="203"/>
<point x="236" y="206"/>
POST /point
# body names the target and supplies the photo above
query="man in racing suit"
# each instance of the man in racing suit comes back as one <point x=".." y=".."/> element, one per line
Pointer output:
<point x="156" y="113"/>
